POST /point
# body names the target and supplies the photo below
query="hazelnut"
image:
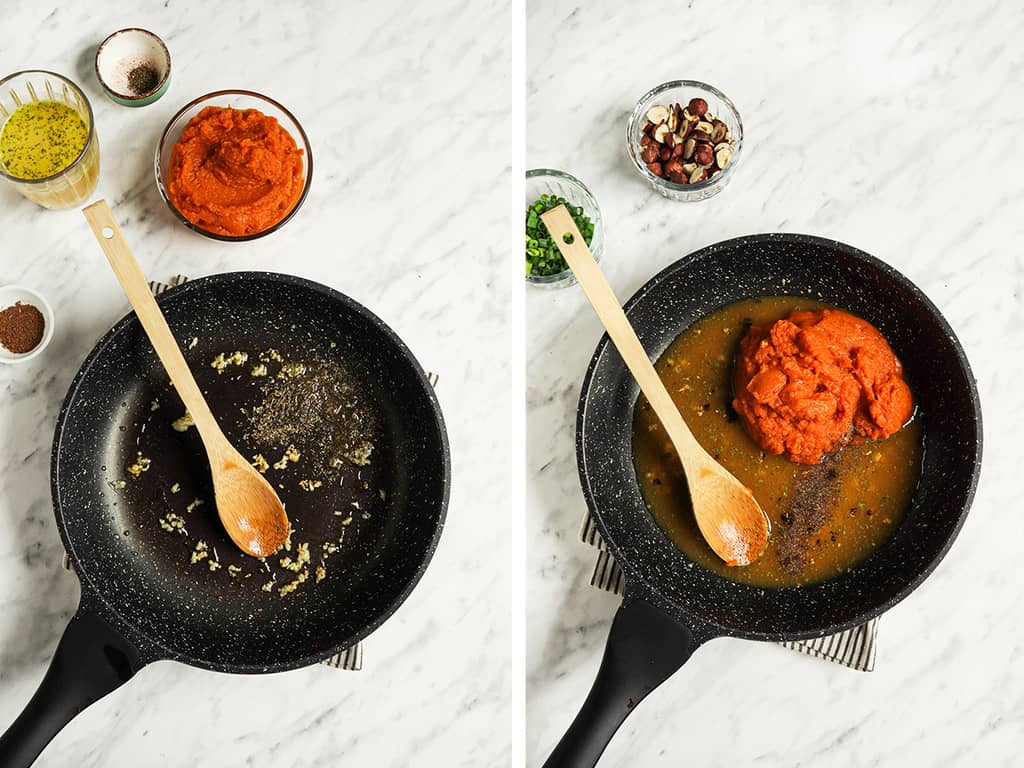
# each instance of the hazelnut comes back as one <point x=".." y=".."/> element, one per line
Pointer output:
<point x="703" y="127"/>
<point x="704" y="155"/>
<point x="672" y="121"/>
<point x="688" y="115"/>
<point x="673" y="167"/>
<point x="723" y="156"/>
<point x="699" y="175"/>
<point x="670" y="139"/>
<point x="688" y="147"/>
<point x="657" y="114"/>
<point x="664" y="154"/>
<point x="646" y="141"/>
<point x="678" y="178"/>
<point x="660" y="132"/>
<point x="649" y="155"/>
<point x="648" y="128"/>
<point x="654" y="168"/>
<point x="689" y="168"/>
<point x="685" y="129"/>
<point x="719" y="131"/>
<point x="697" y="106"/>
<point x="677" y="150"/>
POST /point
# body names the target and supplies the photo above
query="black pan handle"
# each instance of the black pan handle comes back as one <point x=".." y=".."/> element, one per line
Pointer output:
<point x="645" y="647"/>
<point x="92" y="659"/>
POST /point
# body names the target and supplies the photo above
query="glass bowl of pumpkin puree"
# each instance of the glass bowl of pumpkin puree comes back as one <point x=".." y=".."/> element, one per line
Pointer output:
<point x="233" y="165"/>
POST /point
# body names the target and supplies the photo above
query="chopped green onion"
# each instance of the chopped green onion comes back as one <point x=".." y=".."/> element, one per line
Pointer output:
<point x="542" y="255"/>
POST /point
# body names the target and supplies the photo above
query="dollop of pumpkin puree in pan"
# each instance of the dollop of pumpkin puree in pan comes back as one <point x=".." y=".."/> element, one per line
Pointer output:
<point x="815" y="380"/>
<point x="234" y="171"/>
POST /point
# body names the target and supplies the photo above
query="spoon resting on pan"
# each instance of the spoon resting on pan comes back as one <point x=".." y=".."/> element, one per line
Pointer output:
<point x="727" y="513"/>
<point x="248" y="506"/>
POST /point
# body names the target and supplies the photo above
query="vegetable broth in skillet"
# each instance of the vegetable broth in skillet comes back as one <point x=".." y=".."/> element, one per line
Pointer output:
<point x="825" y="518"/>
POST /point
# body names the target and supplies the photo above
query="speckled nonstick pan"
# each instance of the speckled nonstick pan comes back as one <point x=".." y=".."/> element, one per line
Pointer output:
<point x="672" y="605"/>
<point x="142" y="600"/>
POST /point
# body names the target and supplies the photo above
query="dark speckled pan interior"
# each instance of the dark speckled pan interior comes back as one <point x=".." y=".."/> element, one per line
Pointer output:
<point x="139" y="576"/>
<point x="935" y="366"/>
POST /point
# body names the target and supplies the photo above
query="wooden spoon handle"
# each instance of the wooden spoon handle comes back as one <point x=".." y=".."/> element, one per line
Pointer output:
<point x="133" y="281"/>
<point x="609" y="311"/>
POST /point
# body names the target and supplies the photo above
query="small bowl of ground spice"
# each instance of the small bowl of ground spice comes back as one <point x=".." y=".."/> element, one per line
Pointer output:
<point x="26" y="324"/>
<point x="133" y="67"/>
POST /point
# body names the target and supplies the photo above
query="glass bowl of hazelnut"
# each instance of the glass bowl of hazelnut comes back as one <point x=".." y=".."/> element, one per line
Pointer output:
<point x="685" y="138"/>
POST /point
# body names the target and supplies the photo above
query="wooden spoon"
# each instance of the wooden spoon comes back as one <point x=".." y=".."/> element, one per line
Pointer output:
<point x="250" y="510"/>
<point x="729" y="517"/>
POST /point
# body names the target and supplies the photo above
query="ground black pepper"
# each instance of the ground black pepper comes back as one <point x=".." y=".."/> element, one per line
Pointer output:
<point x="21" y="328"/>
<point x="815" y="492"/>
<point x="142" y="79"/>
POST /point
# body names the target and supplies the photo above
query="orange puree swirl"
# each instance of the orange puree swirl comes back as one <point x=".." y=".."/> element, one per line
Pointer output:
<point x="234" y="172"/>
<point x="813" y="381"/>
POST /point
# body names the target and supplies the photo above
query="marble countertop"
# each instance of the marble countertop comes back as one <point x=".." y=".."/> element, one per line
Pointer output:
<point x="380" y="88"/>
<point x="896" y="128"/>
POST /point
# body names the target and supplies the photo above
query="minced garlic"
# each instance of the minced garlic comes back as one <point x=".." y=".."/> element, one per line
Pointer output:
<point x="310" y="485"/>
<point x="291" y="586"/>
<point x="173" y="523"/>
<point x="222" y="362"/>
<point x="141" y="465"/>
<point x="199" y="552"/>
<point x="260" y="463"/>
<point x="182" y="424"/>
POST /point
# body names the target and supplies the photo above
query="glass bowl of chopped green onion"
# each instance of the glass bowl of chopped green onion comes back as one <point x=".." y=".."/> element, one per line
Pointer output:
<point x="547" y="189"/>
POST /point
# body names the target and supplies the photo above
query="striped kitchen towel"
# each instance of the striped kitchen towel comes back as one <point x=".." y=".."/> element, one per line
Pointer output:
<point x="854" y="648"/>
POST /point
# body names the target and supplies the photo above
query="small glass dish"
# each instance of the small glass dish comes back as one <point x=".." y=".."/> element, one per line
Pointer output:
<point x="681" y="91"/>
<point x="73" y="184"/>
<point x="236" y="99"/>
<point x="544" y="181"/>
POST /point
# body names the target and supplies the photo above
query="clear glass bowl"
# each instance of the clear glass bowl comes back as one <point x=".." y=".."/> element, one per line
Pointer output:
<point x="543" y="181"/>
<point x="236" y="99"/>
<point x="72" y="185"/>
<point x="682" y="91"/>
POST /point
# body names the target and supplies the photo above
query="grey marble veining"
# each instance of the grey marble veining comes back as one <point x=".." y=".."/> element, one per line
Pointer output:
<point x="392" y="220"/>
<point x="854" y="119"/>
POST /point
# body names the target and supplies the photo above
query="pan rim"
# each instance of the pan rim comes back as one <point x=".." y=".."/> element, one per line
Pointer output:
<point x="630" y="572"/>
<point x="152" y="648"/>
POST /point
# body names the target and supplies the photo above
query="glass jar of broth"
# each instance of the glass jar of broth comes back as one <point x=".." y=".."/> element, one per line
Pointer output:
<point x="49" y="151"/>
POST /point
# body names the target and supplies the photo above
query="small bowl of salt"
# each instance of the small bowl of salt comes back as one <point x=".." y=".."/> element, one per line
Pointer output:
<point x="134" y="67"/>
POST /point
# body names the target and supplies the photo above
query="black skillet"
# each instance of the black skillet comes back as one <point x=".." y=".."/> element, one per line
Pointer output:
<point x="142" y="599"/>
<point x="672" y="605"/>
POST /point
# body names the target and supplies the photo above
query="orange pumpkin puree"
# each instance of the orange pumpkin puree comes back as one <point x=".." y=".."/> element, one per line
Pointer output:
<point x="813" y="381"/>
<point x="234" y="172"/>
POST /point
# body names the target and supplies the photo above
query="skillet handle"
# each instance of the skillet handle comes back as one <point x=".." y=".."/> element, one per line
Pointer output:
<point x="645" y="647"/>
<point x="92" y="659"/>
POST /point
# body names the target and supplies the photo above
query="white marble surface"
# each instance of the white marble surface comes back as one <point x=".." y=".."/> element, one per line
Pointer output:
<point x="894" y="127"/>
<point x="381" y="89"/>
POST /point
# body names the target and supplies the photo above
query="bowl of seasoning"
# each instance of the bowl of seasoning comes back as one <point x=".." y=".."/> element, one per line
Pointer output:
<point x="49" y="151"/>
<point x="26" y="323"/>
<point x="547" y="189"/>
<point x="684" y="137"/>
<point x="134" y="67"/>
<point x="233" y="165"/>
